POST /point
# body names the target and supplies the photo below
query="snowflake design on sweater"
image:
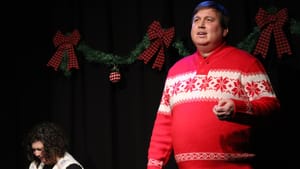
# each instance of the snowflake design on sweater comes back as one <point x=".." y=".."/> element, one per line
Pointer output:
<point x="215" y="86"/>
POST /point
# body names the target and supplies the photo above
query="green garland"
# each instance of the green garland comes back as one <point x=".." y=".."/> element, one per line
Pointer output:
<point x="295" y="27"/>
<point x="97" y="56"/>
<point x="93" y="55"/>
<point x="110" y="59"/>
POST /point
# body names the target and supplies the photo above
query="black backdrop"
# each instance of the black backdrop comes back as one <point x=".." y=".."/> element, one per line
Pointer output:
<point x="109" y="125"/>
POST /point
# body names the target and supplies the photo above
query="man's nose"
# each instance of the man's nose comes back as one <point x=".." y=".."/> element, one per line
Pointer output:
<point x="201" y="24"/>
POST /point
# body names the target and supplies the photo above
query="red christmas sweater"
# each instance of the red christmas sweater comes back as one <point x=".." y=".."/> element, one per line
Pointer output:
<point x="185" y="122"/>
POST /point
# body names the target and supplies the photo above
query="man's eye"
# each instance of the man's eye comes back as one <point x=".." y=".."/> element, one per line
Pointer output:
<point x="209" y="19"/>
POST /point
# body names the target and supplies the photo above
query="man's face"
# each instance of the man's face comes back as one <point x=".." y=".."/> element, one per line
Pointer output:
<point x="206" y="28"/>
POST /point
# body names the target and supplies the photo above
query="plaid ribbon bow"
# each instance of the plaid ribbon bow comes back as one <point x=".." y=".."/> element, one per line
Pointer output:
<point x="160" y="39"/>
<point x="269" y="23"/>
<point x="65" y="44"/>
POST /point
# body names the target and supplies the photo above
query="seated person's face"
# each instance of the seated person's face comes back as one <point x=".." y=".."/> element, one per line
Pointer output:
<point x="38" y="151"/>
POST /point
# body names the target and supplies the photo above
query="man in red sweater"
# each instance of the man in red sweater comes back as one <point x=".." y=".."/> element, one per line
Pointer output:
<point x="210" y="101"/>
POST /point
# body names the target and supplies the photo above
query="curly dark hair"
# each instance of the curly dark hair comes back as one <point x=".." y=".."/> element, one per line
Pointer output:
<point x="53" y="138"/>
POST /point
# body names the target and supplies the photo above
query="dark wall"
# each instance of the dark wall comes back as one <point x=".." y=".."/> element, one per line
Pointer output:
<point x="109" y="124"/>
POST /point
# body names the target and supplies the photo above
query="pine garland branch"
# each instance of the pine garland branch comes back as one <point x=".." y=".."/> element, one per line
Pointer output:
<point x="64" y="65"/>
<point x="295" y="27"/>
<point x="249" y="42"/>
<point x="93" y="55"/>
<point x="182" y="51"/>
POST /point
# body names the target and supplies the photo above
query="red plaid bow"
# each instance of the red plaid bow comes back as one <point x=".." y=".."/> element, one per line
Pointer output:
<point x="272" y="23"/>
<point x="65" y="44"/>
<point x="160" y="39"/>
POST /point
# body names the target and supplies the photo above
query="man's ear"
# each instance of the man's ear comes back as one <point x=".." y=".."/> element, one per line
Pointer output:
<point x="225" y="32"/>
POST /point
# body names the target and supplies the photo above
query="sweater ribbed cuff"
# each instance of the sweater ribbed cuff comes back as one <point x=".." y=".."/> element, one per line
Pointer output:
<point x="242" y="107"/>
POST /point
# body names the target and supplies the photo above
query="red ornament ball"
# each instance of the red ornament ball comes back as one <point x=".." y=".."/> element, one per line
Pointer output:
<point x="114" y="76"/>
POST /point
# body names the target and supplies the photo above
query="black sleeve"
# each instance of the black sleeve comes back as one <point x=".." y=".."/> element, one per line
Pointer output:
<point x="74" y="166"/>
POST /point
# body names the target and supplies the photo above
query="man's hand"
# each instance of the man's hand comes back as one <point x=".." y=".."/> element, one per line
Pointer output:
<point x="224" y="109"/>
